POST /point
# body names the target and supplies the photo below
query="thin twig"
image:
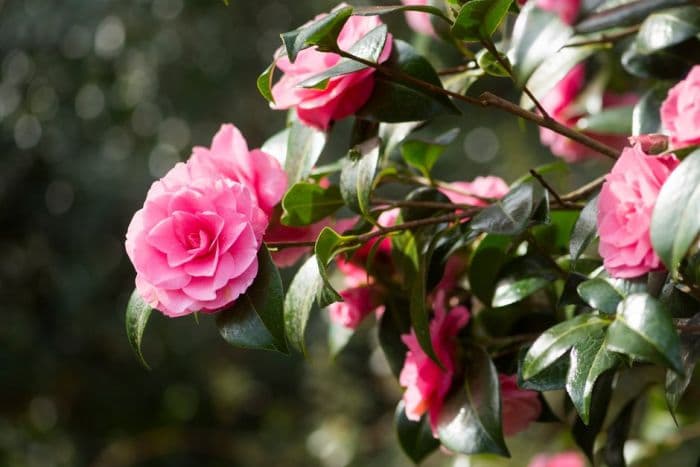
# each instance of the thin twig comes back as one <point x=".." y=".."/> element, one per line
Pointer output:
<point x="454" y="69"/>
<point x="421" y="204"/>
<point x="604" y="39"/>
<point x="548" y="187"/>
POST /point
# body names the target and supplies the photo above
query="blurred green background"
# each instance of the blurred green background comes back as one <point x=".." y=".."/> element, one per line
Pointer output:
<point x="97" y="99"/>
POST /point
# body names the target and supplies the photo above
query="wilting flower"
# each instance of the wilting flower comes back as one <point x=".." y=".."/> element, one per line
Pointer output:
<point x="680" y="112"/>
<point x="194" y="243"/>
<point x="519" y="407"/>
<point x="426" y="383"/>
<point x="625" y="207"/>
<point x="342" y="95"/>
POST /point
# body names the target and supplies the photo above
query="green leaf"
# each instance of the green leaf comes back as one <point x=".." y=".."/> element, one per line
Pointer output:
<point x="646" y="117"/>
<point x="304" y="147"/>
<point x="256" y="319"/>
<point x="512" y="214"/>
<point x="307" y="203"/>
<point x="589" y="359"/>
<point x="485" y="265"/>
<point x="357" y="176"/>
<point x="479" y="19"/>
<point x="551" y="378"/>
<point x="470" y="420"/>
<point x="299" y="301"/>
<point x="328" y="244"/>
<point x="382" y="10"/>
<point x="600" y="295"/>
<point x="264" y="83"/>
<point x="321" y="32"/>
<point x="627" y="14"/>
<point x="585" y="229"/>
<point x="392" y="325"/>
<point x="585" y="435"/>
<point x="611" y="121"/>
<point x="537" y="36"/>
<point x="416" y="438"/>
<point x="395" y="100"/>
<point x="674" y="223"/>
<point x="557" y="340"/>
<point x="644" y="330"/>
<point x="667" y="28"/>
<point x="423" y="193"/>
<point x="490" y="64"/>
<point x="513" y="291"/>
<point x="672" y="63"/>
<point x="137" y="314"/>
<point x="368" y="47"/>
<point x="424" y="154"/>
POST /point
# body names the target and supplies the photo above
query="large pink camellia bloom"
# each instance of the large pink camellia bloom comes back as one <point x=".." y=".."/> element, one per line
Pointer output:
<point x="229" y="157"/>
<point x="343" y="95"/>
<point x="426" y="383"/>
<point x="625" y="207"/>
<point x="519" y="407"/>
<point x="194" y="243"/>
<point x="680" y="112"/>
<point x="564" y="459"/>
<point x="417" y="20"/>
<point x="475" y="192"/>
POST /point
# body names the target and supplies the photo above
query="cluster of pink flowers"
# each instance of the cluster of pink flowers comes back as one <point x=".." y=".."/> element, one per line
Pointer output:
<point x="194" y="243"/>
<point x="343" y="95"/>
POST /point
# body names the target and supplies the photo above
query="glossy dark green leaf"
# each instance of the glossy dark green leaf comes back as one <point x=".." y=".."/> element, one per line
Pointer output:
<point x="418" y="311"/>
<point x="490" y="64"/>
<point x="589" y="359"/>
<point x="585" y="435"/>
<point x="320" y="32"/>
<point x="644" y="330"/>
<point x="256" y="319"/>
<point x="646" y="117"/>
<point x="551" y="378"/>
<point x="264" y="83"/>
<point x="667" y="28"/>
<point x="674" y="222"/>
<point x="299" y="300"/>
<point x="512" y="291"/>
<point x="395" y="100"/>
<point x="307" y="203"/>
<point x="479" y="19"/>
<point x="423" y="194"/>
<point x="416" y="438"/>
<point x="328" y="244"/>
<point x="557" y="340"/>
<point x="676" y="384"/>
<point x="368" y="47"/>
<point x="672" y="63"/>
<point x="537" y="36"/>
<point x="585" y="229"/>
<point x="304" y="147"/>
<point x="423" y="154"/>
<point x="555" y="236"/>
<point x="611" y="121"/>
<point x="470" y="421"/>
<point x="485" y="265"/>
<point x="625" y="14"/>
<point x="393" y="323"/>
<point x="137" y="314"/>
<point x="600" y="295"/>
<point x="512" y="214"/>
<point x="357" y="177"/>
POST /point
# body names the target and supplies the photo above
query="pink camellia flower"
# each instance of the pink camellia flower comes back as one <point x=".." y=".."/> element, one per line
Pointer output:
<point x="418" y="20"/>
<point x="229" y="157"/>
<point x="357" y="303"/>
<point x="426" y="383"/>
<point x="680" y="112"/>
<point x="559" y="104"/>
<point x="343" y="95"/>
<point x="194" y="243"/>
<point x="567" y="10"/>
<point x="564" y="459"/>
<point x="519" y="407"/>
<point x="625" y="207"/>
<point x="474" y="192"/>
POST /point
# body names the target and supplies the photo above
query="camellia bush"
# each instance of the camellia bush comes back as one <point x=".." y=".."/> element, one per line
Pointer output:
<point x="487" y="297"/>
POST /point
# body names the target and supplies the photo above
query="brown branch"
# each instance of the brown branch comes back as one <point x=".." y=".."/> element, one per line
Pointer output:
<point x="421" y="204"/>
<point x="604" y="39"/>
<point x="549" y="188"/>
<point x="454" y="69"/>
